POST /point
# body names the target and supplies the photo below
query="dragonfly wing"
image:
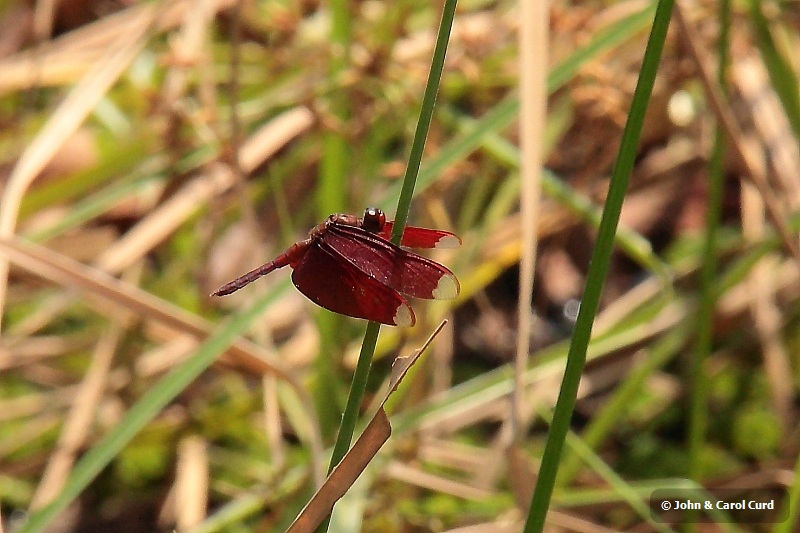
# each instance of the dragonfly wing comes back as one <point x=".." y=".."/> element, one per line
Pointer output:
<point x="331" y="281"/>
<point x="414" y="237"/>
<point x="390" y="265"/>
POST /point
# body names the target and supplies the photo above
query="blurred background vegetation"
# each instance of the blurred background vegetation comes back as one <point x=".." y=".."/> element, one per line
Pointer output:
<point x="174" y="145"/>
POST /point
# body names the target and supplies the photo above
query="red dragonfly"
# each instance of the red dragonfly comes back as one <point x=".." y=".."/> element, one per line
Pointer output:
<point x="347" y="265"/>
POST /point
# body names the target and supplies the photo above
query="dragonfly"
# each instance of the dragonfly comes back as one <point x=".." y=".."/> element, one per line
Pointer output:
<point x="349" y="266"/>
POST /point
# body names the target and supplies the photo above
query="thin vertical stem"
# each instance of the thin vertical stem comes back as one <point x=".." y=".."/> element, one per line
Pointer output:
<point x="359" y="384"/>
<point x="425" y="116"/>
<point x="331" y="198"/>
<point x="698" y="414"/>
<point x="601" y="255"/>
<point x="533" y="37"/>
<point x="357" y="388"/>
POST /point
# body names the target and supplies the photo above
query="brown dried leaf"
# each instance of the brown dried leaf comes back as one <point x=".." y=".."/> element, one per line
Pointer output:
<point x="366" y="447"/>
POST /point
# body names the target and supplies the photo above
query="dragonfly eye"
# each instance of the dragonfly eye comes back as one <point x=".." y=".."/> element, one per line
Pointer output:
<point x="374" y="220"/>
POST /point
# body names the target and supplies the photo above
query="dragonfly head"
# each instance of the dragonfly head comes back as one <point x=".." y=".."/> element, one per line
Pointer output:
<point x="374" y="220"/>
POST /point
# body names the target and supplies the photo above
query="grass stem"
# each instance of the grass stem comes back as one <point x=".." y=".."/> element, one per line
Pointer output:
<point x="598" y="268"/>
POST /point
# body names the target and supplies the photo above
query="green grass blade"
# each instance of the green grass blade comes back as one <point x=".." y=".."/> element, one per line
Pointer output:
<point x="92" y="206"/>
<point x="357" y="388"/>
<point x="636" y="501"/>
<point x="142" y="412"/>
<point x="603" y="424"/>
<point x="121" y="158"/>
<point x="504" y="113"/>
<point x="598" y="268"/>
<point x="698" y="409"/>
<point x="359" y="383"/>
<point x="335" y="154"/>
<point x="331" y="197"/>
<point x="424" y="122"/>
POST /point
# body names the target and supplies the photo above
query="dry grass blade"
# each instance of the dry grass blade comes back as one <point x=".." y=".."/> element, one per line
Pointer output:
<point x="274" y="425"/>
<point x="159" y="224"/>
<point x="72" y="112"/>
<point x="771" y="127"/>
<point x="70" y="56"/>
<point x="82" y="412"/>
<point x="16" y="352"/>
<point x="453" y="455"/>
<point x="78" y="422"/>
<point x="356" y="460"/>
<point x="188" y="48"/>
<point x="35" y="403"/>
<point x="763" y="286"/>
<point x="533" y="43"/>
<point x="576" y="524"/>
<point x="154" y="228"/>
<point x="191" y="482"/>
<point x="417" y="477"/>
<point x="273" y="136"/>
<point x="522" y="476"/>
<point x="344" y="475"/>
<point x="63" y="123"/>
<point x="755" y="171"/>
<point x="97" y="284"/>
<point x="494" y="527"/>
<point x="164" y="220"/>
<point x="168" y="354"/>
<point x="541" y="382"/>
<point x="559" y="520"/>
<point x="773" y="130"/>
